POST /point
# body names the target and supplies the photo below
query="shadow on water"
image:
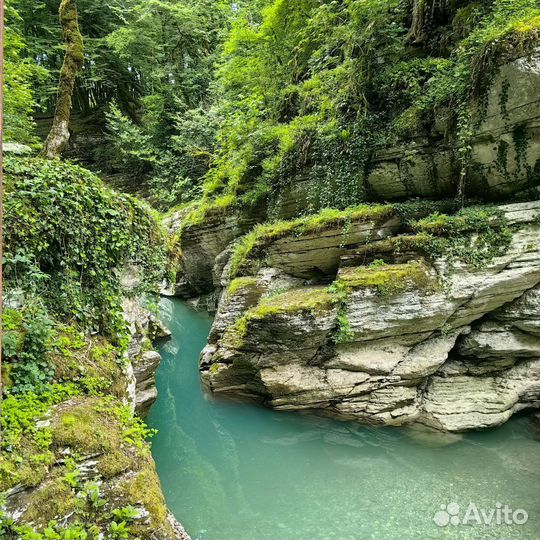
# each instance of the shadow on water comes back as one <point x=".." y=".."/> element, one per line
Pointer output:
<point x="238" y="471"/>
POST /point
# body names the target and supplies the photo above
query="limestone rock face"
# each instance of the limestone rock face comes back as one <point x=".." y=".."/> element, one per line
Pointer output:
<point x="505" y="146"/>
<point x="436" y="342"/>
<point x="122" y="474"/>
<point x="202" y="244"/>
<point x="424" y="168"/>
<point x="318" y="253"/>
<point x="144" y="361"/>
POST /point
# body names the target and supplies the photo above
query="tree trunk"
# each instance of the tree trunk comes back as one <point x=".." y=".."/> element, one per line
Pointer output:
<point x="416" y="32"/>
<point x="73" y="61"/>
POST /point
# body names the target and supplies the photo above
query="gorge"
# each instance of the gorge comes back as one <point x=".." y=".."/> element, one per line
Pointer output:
<point x="237" y="470"/>
<point x="279" y="277"/>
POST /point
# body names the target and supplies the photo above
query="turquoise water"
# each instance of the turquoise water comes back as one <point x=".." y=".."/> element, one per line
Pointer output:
<point x="235" y="471"/>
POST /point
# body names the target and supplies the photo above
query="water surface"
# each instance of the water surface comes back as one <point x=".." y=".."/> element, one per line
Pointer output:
<point x="234" y="471"/>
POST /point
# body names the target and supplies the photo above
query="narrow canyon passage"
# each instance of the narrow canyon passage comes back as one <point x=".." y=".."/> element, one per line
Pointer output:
<point x="238" y="471"/>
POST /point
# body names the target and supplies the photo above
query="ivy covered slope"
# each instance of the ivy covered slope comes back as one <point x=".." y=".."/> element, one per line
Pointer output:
<point x="369" y="229"/>
<point x="75" y="462"/>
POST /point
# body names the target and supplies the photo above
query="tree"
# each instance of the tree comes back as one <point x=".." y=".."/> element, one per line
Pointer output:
<point x="19" y="73"/>
<point x="73" y="62"/>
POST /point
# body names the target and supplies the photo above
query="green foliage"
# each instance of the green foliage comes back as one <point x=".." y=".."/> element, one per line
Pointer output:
<point x="134" y="431"/>
<point x="67" y="237"/>
<point x="19" y="72"/>
<point x="475" y="235"/>
<point x="26" y="341"/>
<point x="104" y="76"/>
<point x="344" y="333"/>
<point x="169" y="140"/>
<point x="19" y="413"/>
<point x="54" y="531"/>
<point x="126" y="513"/>
<point x="118" y="530"/>
<point x="92" y="494"/>
<point x="313" y="89"/>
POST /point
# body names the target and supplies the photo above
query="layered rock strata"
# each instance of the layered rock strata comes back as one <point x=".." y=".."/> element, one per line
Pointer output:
<point x="397" y="338"/>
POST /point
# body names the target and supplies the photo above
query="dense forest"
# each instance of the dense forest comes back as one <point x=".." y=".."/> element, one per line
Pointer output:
<point x="205" y="98"/>
<point x="172" y="144"/>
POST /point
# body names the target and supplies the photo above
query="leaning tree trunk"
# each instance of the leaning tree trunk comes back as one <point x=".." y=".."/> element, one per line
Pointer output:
<point x="73" y="61"/>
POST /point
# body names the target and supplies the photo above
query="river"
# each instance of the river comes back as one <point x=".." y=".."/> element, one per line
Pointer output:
<point x="234" y="471"/>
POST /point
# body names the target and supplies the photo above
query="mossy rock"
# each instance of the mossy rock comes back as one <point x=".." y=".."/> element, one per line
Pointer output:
<point x="387" y="279"/>
<point x="51" y="500"/>
<point x="79" y="424"/>
<point x="143" y="488"/>
<point x="92" y="361"/>
<point x="253" y="244"/>
<point x="311" y="300"/>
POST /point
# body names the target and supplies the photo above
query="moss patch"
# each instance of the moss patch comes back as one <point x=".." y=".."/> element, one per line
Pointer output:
<point x="301" y="300"/>
<point x="241" y="283"/>
<point x="51" y="500"/>
<point x="79" y="424"/>
<point x="116" y="462"/>
<point x="91" y="361"/>
<point x="475" y="235"/>
<point x="387" y="279"/>
<point x="144" y="489"/>
<point x="26" y="450"/>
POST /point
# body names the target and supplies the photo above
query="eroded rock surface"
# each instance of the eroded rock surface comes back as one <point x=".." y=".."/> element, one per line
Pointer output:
<point x="439" y="342"/>
<point x="505" y="145"/>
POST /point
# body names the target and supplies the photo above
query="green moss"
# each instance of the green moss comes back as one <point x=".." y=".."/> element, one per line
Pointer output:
<point x="305" y="299"/>
<point x="117" y="462"/>
<point x="29" y="456"/>
<point x="93" y="362"/>
<point x="387" y="278"/>
<point x="264" y="235"/>
<point x="214" y="369"/>
<point x="475" y="235"/>
<point x="144" y="489"/>
<point x="82" y="426"/>
<point x="53" y="498"/>
<point x="241" y="283"/>
<point x="472" y="219"/>
<point x="205" y="208"/>
<point x="311" y="299"/>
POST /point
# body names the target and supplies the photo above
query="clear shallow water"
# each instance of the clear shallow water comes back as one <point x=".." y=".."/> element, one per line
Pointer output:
<point x="235" y="471"/>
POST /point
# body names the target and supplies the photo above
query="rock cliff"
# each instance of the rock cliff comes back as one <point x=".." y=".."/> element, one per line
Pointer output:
<point x="400" y="335"/>
<point x="395" y="313"/>
<point x="98" y="462"/>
